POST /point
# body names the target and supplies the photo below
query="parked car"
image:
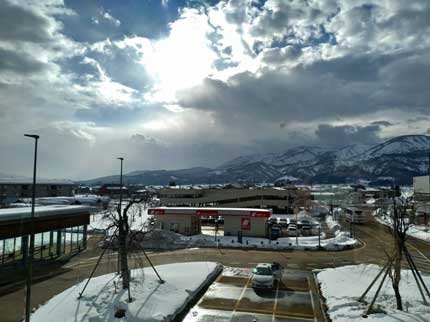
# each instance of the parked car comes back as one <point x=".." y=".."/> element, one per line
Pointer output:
<point x="273" y="221"/>
<point x="265" y="275"/>
<point x="304" y="222"/>
<point x="292" y="230"/>
<point x="292" y="221"/>
<point x="306" y="230"/>
<point x="275" y="232"/>
<point x="283" y="222"/>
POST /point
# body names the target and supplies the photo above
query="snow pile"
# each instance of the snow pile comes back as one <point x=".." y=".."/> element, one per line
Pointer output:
<point x="342" y="286"/>
<point x="420" y="232"/>
<point x="416" y="231"/>
<point x="235" y="271"/>
<point x="152" y="301"/>
<point x="339" y="242"/>
<point x="162" y="239"/>
<point x="332" y="224"/>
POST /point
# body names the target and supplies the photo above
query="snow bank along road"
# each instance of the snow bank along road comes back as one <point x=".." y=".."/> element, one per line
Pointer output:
<point x="374" y="237"/>
<point x="342" y="286"/>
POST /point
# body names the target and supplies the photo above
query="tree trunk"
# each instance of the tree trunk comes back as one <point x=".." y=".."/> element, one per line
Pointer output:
<point x="125" y="273"/>
<point x="397" y="276"/>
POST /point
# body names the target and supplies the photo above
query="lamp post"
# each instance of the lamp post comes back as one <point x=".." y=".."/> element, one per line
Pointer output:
<point x="297" y="230"/>
<point x="428" y="132"/>
<point x="120" y="202"/>
<point x="31" y="250"/>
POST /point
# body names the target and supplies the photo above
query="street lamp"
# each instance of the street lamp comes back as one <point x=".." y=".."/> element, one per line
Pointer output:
<point x="428" y="132"/>
<point x="31" y="251"/>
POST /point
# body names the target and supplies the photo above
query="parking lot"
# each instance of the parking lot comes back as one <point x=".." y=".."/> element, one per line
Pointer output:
<point x="232" y="298"/>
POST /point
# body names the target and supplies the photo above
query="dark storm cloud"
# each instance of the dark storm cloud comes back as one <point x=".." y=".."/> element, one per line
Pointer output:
<point x="296" y="95"/>
<point x="347" y="134"/>
<point x="350" y="86"/>
<point x="382" y="123"/>
<point x="11" y="60"/>
<point x="22" y="24"/>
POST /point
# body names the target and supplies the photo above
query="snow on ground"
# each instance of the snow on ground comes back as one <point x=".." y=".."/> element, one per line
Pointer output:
<point x="342" y="286"/>
<point x="416" y="231"/>
<point x="162" y="239"/>
<point x="152" y="301"/>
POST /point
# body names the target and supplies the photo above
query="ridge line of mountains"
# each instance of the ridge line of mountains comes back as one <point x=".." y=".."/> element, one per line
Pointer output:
<point x="395" y="161"/>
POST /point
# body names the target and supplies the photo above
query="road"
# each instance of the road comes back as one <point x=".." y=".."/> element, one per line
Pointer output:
<point x="375" y="238"/>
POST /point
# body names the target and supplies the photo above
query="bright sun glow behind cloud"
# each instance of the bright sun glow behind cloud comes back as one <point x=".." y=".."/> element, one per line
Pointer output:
<point x="183" y="59"/>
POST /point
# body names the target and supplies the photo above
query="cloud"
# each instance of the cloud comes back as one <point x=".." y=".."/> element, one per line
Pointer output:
<point x="23" y="24"/>
<point x="11" y="61"/>
<point x="382" y="123"/>
<point x="186" y="83"/>
<point x="343" y="135"/>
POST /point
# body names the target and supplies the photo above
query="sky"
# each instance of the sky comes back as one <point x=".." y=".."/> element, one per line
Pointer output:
<point x="175" y="84"/>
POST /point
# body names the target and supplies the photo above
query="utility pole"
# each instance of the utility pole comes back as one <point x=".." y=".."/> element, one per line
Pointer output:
<point x="31" y="250"/>
<point x="428" y="132"/>
<point x="120" y="206"/>
<point x="297" y="230"/>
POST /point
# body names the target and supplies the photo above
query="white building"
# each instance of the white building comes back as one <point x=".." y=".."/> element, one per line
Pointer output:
<point x="422" y="188"/>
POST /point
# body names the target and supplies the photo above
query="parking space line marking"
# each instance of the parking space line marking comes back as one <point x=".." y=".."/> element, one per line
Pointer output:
<point x="216" y="307"/>
<point x="295" y="315"/>
<point x="312" y="299"/>
<point x="242" y="294"/>
<point x="259" y="311"/>
<point x="296" y="290"/>
<point x="282" y="314"/>
<point x="276" y="301"/>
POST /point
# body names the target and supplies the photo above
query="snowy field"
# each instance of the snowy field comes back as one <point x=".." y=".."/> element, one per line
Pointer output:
<point x="152" y="301"/>
<point x="342" y="286"/>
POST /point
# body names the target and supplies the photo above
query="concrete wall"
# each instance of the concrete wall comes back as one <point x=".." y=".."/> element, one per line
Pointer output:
<point x="183" y="224"/>
<point x="232" y="224"/>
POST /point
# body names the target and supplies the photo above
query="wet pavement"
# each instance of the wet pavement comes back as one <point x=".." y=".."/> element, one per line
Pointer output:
<point x="231" y="298"/>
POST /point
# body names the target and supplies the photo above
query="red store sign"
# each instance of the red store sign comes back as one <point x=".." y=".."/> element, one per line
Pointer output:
<point x="156" y="212"/>
<point x="245" y="223"/>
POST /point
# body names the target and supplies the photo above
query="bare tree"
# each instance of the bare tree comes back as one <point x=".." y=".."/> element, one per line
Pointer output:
<point x="121" y="220"/>
<point x="402" y="217"/>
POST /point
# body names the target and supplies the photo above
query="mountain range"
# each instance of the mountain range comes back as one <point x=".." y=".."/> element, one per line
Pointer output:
<point x="396" y="160"/>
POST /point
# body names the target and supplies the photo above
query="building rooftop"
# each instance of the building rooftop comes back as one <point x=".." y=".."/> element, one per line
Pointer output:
<point x="209" y="211"/>
<point x="42" y="211"/>
<point x="24" y="180"/>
